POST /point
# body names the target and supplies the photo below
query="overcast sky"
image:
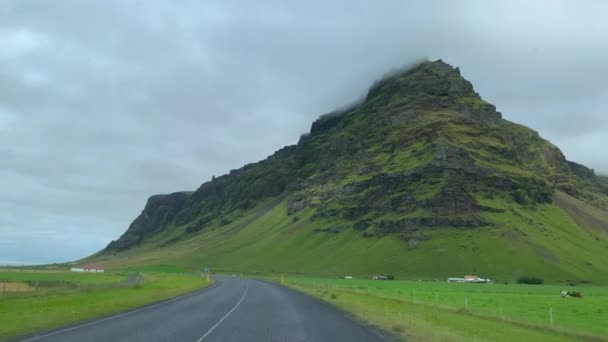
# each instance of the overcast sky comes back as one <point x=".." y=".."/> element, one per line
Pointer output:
<point x="104" y="103"/>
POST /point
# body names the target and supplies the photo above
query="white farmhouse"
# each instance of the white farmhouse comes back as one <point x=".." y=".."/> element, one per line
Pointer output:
<point x="469" y="279"/>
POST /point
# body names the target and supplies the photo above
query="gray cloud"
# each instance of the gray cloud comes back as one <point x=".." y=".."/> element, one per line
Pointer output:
<point x="103" y="103"/>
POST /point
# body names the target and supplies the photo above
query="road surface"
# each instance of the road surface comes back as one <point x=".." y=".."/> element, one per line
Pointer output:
<point x="234" y="309"/>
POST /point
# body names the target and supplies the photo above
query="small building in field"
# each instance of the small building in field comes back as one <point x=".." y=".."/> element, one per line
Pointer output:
<point x="380" y="277"/>
<point x="93" y="268"/>
<point x="469" y="279"/>
<point x="455" y="280"/>
<point x="88" y="268"/>
<point x="475" y="279"/>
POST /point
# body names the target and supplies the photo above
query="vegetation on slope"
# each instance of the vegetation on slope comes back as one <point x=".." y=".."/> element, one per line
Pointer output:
<point x="545" y="242"/>
<point x="423" y="177"/>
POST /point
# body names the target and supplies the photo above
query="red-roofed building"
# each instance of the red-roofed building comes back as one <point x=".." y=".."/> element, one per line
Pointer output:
<point x="93" y="268"/>
<point x="88" y="268"/>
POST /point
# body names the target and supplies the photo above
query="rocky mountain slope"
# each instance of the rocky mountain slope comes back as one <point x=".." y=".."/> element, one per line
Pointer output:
<point x="423" y="159"/>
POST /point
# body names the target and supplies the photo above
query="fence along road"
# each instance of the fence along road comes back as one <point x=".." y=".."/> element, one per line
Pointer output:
<point x="235" y="309"/>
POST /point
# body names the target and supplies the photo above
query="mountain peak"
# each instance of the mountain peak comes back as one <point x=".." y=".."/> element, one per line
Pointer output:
<point x="435" y="78"/>
<point x="431" y="85"/>
<point x="428" y="86"/>
<point x="438" y="66"/>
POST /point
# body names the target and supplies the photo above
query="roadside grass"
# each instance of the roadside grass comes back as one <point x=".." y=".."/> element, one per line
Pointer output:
<point x="58" y="276"/>
<point x="34" y="314"/>
<point x="497" y="312"/>
<point x="26" y="283"/>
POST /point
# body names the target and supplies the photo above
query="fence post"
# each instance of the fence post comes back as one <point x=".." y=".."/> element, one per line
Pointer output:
<point x="436" y="298"/>
<point x="414" y="296"/>
<point x="501" y="314"/>
<point x="466" y="304"/>
<point x="551" y="316"/>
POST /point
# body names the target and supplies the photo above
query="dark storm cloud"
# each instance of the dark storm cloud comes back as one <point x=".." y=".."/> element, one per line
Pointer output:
<point x="103" y="103"/>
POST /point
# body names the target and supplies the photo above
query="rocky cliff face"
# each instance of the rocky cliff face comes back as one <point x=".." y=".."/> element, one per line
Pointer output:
<point x="159" y="212"/>
<point x="581" y="171"/>
<point x="423" y="150"/>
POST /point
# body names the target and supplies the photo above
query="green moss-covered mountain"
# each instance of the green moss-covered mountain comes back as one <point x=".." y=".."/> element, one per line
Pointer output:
<point x="423" y="178"/>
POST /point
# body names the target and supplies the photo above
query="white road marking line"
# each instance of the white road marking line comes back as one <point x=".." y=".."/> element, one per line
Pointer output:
<point x="225" y="316"/>
<point x="115" y="316"/>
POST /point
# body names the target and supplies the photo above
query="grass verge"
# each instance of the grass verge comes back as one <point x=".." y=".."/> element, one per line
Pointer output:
<point x="31" y="315"/>
<point x="421" y="320"/>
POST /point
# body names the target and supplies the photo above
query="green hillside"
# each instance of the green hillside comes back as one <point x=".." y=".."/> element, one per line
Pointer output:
<point x="422" y="179"/>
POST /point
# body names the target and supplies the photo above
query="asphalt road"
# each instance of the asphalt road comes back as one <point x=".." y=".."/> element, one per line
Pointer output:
<point x="234" y="309"/>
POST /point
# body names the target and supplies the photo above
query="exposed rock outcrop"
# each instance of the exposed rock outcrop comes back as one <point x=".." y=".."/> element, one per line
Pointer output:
<point x="421" y="151"/>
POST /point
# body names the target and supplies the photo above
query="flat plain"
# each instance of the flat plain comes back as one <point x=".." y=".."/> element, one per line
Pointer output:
<point x="441" y="310"/>
<point x="47" y="300"/>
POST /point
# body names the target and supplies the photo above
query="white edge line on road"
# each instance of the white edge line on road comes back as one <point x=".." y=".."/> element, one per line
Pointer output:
<point x="225" y="316"/>
<point x="115" y="316"/>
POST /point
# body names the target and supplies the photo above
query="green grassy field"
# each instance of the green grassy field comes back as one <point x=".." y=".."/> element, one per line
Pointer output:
<point x="545" y="242"/>
<point x="562" y="243"/>
<point x="57" y="276"/>
<point x="436" y="310"/>
<point x="45" y="310"/>
<point x="28" y="283"/>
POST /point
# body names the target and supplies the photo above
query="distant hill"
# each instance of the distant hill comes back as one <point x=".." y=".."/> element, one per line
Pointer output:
<point x="421" y="179"/>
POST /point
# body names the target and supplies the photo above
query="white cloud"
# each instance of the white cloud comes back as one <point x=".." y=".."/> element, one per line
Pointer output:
<point x="17" y="41"/>
<point x="7" y="119"/>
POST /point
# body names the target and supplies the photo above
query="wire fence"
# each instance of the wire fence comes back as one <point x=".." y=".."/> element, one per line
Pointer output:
<point x="522" y="308"/>
<point x="28" y="288"/>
